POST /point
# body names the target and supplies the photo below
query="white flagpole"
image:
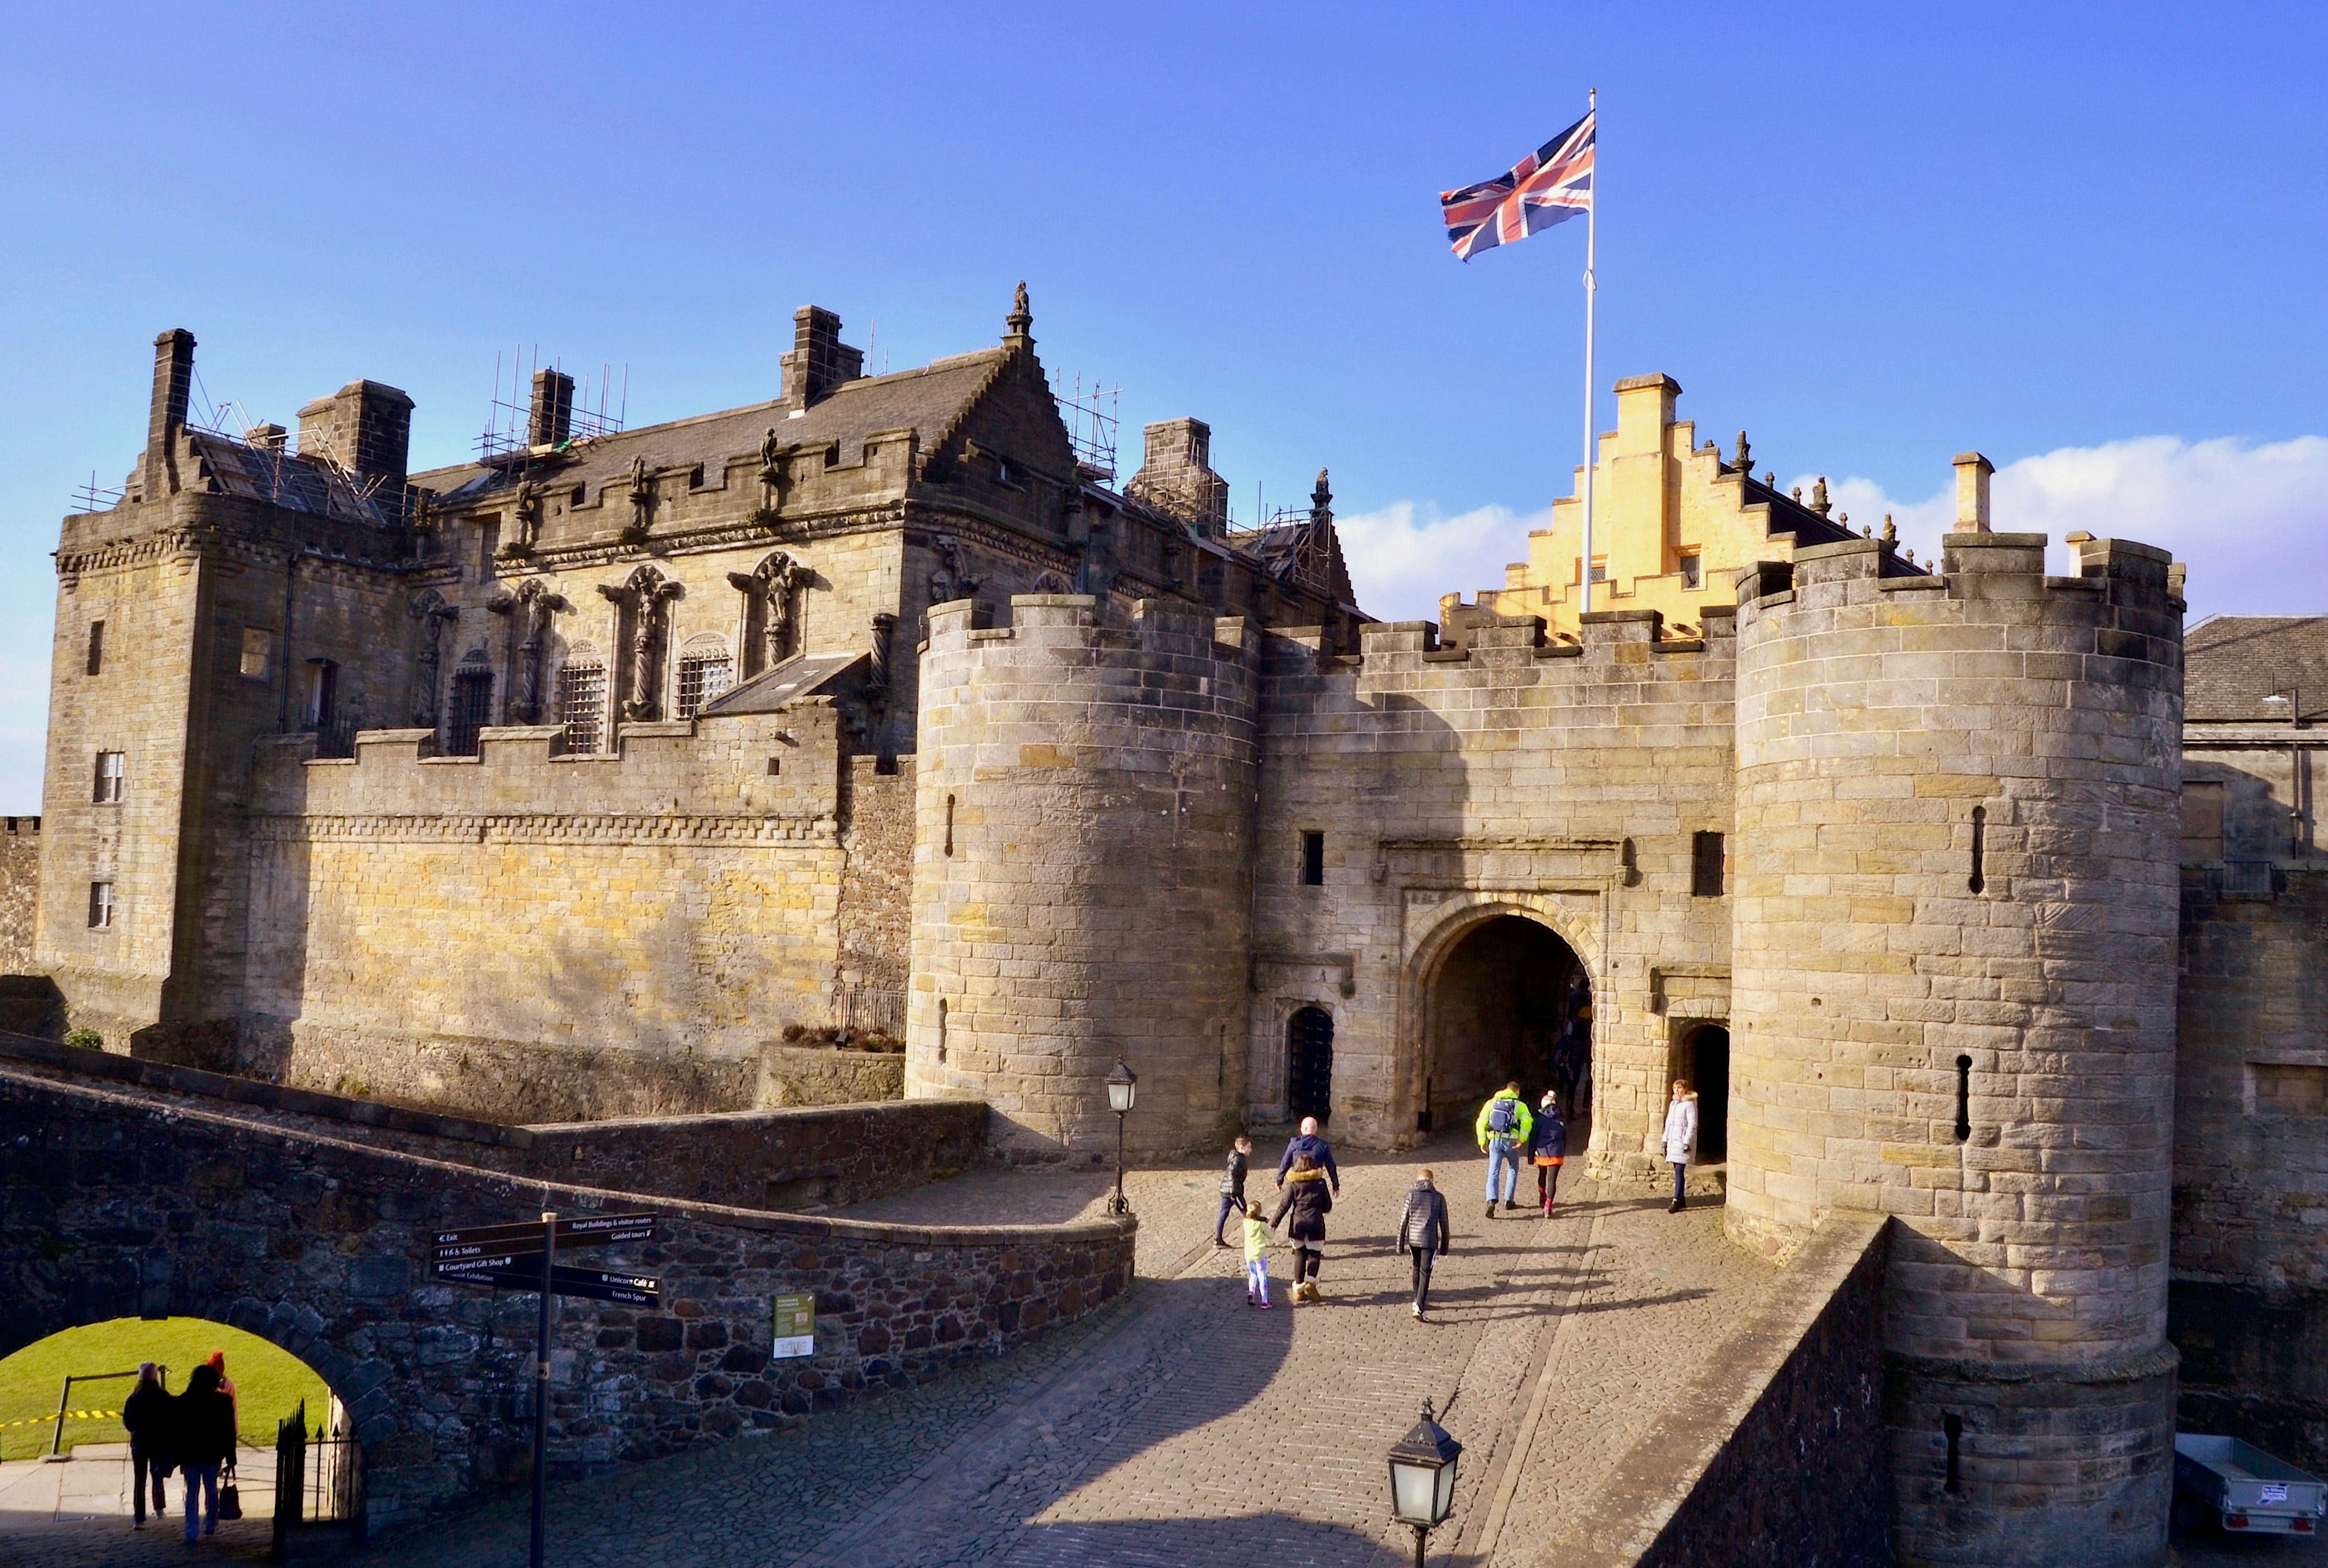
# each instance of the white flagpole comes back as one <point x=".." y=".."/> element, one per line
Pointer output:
<point x="1592" y="219"/>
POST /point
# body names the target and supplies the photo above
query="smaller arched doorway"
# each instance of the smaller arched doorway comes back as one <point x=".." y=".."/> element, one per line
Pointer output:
<point x="1310" y="1065"/>
<point x="1703" y="1058"/>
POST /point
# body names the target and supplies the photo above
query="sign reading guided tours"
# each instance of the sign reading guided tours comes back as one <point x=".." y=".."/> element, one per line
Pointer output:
<point x="795" y="1326"/>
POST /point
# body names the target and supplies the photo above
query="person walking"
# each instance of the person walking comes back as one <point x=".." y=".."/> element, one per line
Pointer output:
<point x="1231" y="1188"/>
<point x="1681" y="1136"/>
<point x="1257" y="1238"/>
<point x="1502" y="1130"/>
<point x="202" y="1431"/>
<point x="1307" y="1141"/>
<point x="147" y="1415"/>
<point x="1308" y="1201"/>
<point x="1423" y="1232"/>
<point x="1548" y="1148"/>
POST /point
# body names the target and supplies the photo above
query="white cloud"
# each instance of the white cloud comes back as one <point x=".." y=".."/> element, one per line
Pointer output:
<point x="2250" y="521"/>
<point x="1399" y="562"/>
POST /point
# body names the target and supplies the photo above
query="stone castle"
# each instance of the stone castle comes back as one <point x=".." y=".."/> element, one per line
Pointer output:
<point x="563" y="783"/>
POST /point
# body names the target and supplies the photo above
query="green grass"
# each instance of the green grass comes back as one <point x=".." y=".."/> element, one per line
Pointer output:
<point x="268" y="1382"/>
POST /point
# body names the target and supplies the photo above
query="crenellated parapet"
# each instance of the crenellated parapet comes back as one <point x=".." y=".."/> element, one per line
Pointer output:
<point x="1954" y="958"/>
<point x="1082" y="892"/>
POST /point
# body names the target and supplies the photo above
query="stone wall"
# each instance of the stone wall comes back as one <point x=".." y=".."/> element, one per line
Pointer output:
<point x="1500" y="774"/>
<point x="2249" y="1303"/>
<point x="828" y="1075"/>
<point x="877" y="882"/>
<point x="530" y="934"/>
<point x="1080" y="871"/>
<point x="20" y="891"/>
<point x="1955" y="958"/>
<point x="113" y="1205"/>
<point x="1774" y="1457"/>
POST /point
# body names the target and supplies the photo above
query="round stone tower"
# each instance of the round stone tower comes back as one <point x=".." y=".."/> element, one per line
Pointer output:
<point x="1953" y="993"/>
<point x="1082" y="872"/>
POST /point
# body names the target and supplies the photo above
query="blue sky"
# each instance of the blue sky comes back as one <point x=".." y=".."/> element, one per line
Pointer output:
<point x="2087" y="240"/>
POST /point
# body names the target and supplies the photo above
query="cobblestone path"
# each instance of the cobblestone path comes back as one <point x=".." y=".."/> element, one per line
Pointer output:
<point x="1182" y="1427"/>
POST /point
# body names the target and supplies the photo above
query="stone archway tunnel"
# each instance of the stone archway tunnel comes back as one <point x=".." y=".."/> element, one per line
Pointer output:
<point x="119" y="1200"/>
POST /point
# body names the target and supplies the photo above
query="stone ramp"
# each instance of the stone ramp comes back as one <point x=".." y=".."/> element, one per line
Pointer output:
<point x="1182" y="1427"/>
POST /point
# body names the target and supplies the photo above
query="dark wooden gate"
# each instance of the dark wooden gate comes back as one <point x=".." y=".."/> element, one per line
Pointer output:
<point x="1310" y="1065"/>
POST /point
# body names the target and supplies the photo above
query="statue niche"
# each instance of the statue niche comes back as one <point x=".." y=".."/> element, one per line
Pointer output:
<point x="770" y="620"/>
<point x="435" y="618"/>
<point x="642" y="639"/>
<point x="528" y="610"/>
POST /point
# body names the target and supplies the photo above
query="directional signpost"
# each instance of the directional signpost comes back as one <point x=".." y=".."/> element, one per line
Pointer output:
<point x="522" y="1257"/>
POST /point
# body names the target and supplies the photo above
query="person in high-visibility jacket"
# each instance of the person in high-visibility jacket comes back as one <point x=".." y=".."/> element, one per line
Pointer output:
<point x="1502" y="1131"/>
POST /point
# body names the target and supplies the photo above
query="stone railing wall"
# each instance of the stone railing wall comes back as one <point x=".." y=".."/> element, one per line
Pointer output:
<point x="1775" y="1457"/>
<point x="117" y="1203"/>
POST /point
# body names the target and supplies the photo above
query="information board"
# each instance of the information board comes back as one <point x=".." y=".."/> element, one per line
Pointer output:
<point x="795" y="1326"/>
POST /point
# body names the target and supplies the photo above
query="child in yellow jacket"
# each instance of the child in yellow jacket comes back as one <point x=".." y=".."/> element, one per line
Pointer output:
<point x="1257" y="1238"/>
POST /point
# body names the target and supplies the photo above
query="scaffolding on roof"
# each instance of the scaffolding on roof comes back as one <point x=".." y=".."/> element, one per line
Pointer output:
<point x="507" y="438"/>
<point x="1092" y="418"/>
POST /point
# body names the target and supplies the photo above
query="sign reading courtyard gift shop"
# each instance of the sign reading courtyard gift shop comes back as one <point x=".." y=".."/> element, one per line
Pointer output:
<point x="795" y="1326"/>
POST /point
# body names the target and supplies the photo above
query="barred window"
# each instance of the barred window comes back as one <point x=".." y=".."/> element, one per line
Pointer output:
<point x="473" y="703"/>
<point x="1705" y="864"/>
<point x="582" y="705"/>
<point x="701" y="678"/>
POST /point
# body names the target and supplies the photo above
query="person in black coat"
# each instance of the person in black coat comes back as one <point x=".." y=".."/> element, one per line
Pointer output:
<point x="1231" y="1187"/>
<point x="1308" y="1199"/>
<point x="202" y="1431"/>
<point x="1423" y="1231"/>
<point x="146" y="1414"/>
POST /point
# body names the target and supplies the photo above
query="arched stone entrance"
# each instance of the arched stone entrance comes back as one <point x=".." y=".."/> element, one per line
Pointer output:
<point x="1310" y="1065"/>
<point x="1504" y="998"/>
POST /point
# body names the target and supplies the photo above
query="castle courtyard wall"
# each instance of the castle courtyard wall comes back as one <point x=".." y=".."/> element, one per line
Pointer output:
<point x="534" y="936"/>
<point x="1561" y="782"/>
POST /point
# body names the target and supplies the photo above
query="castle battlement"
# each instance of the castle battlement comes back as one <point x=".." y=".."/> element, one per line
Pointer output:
<point x="778" y="766"/>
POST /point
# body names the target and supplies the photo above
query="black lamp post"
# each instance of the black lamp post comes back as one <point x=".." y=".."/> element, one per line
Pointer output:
<point x="1122" y="1089"/>
<point x="1422" y="1478"/>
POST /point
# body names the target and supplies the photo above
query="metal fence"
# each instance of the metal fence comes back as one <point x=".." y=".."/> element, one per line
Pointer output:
<point x="319" y="1480"/>
<point x="867" y="1009"/>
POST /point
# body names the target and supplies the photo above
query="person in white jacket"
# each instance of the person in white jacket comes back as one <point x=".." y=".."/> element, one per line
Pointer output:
<point x="1681" y="1136"/>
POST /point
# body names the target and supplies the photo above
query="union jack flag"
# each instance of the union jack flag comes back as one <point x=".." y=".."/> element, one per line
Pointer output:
<point x="1550" y="185"/>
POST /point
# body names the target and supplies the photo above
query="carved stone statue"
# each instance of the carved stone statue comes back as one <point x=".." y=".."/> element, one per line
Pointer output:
<point x="772" y="467"/>
<point x="642" y="493"/>
<point x="1819" y="503"/>
<point x="529" y="516"/>
<point x="434" y="616"/>
<point x="767" y="591"/>
<point x="952" y="580"/>
<point x="644" y="599"/>
<point x="529" y="610"/>
<point x="1021" y="319"/>
<point x="1890" y="534"/>
<point x="1743" y="462"/>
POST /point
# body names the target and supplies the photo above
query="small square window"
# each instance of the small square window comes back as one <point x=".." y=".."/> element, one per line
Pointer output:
<point x="100" y="905"/>
<point x="258" y="651"/>
<point x="1692" y="572"/>
<point x="95" y="647"/>
<point x="1313" y="860"/>
<point x="112" y="773"/>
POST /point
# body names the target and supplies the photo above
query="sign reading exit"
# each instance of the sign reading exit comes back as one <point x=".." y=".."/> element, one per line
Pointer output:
<point x="795" y="1326"/>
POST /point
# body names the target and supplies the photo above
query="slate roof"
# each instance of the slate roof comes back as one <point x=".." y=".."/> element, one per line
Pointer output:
<point x="928" y="400"/>
<point x="803" y="675"/>
<point x="2232" y="662"/>
<point x="284" y="479"/>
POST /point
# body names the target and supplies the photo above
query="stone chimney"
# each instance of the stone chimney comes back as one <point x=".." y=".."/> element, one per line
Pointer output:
<point x="174" y="382"/>
<point x="1645" y="411"/>
<point x="819" y="361"/>
<point x="1175" y="476"/>
<point x="551" y="420"/>
<point x="1973" y="471"/>
<point x="365" y="427"/>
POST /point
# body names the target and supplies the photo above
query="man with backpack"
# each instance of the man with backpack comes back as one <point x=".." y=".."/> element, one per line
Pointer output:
<point x="1502" y="1130"/>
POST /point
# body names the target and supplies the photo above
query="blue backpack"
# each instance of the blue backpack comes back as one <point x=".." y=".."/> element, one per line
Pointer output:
<point x="1504" y="1114"/>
